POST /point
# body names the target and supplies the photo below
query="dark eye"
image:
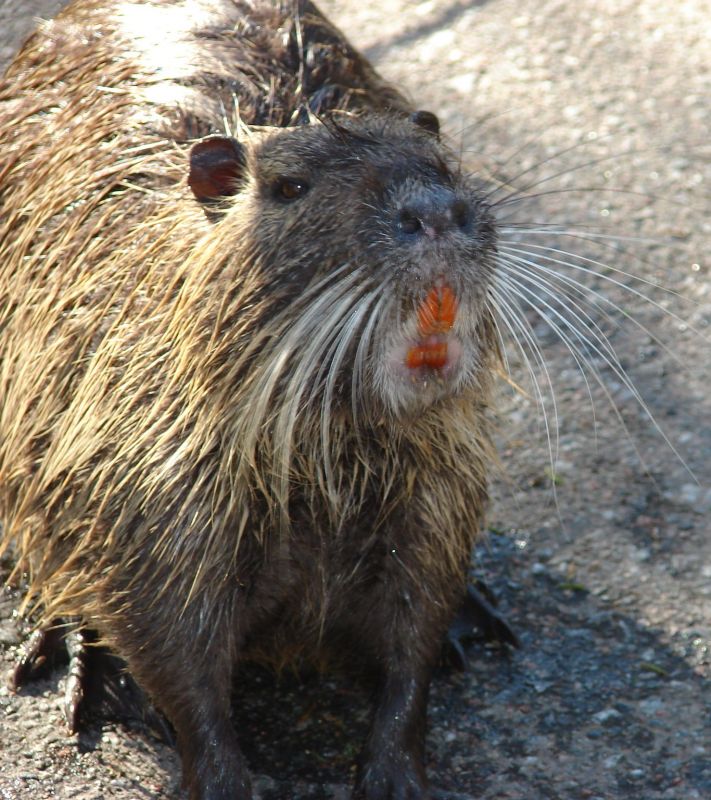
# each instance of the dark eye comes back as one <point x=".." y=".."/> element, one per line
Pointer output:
<point x="288" y="189"/>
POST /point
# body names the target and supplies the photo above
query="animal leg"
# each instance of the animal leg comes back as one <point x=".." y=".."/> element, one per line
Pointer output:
<point x="186" y="667"/>
<point x="403" y="631"/>
<point x="393" y="759"/>
<point x="476" y="612"/>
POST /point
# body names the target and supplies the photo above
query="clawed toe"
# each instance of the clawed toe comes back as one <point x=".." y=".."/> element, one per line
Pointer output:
<point x="476" y="616"/>
<point x="95" y="678"/>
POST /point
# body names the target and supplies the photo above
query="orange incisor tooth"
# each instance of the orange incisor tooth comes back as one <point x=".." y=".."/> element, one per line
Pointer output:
<point x="427" y="355"/>
<point x="437" y="312"/>
<point x="435" y="315"/>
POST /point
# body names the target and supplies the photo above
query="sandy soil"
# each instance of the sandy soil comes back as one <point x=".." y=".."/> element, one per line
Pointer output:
<point x="602" y="561"/>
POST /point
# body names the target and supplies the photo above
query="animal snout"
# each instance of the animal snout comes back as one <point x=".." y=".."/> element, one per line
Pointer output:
<point x="433" y="214"/>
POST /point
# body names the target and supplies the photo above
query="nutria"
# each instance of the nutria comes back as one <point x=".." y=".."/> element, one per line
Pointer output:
<point x="247" y="349"/>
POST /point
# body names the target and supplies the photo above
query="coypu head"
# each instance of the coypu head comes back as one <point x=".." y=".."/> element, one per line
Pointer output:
<point x="377" y="250"/>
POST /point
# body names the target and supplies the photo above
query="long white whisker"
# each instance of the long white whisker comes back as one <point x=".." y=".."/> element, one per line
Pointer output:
<point x="513" y="199"/>
<point x="362" y="352"/>
<point x="318" y="337"/>
<point x="613" y="363"/>
<point x="542" y="250"/>
<point x="581" y="232"/>
<point x="505" y="299"/>
<point x="586" y="292"/>
<point x="582" y="318"/>
<point x="520" y="193"/>
<point x="496" y="312"/>
<point x="507" y="183"/>
<point x="334" y="359"/>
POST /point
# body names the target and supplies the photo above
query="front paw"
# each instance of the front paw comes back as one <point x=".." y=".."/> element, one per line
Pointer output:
<point x="396" y="779"/>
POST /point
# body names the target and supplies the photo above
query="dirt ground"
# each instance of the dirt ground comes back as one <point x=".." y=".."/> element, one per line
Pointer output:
<point x="601" y="560"/>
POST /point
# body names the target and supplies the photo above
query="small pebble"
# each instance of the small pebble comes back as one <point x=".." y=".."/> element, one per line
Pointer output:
<point x="606" y="715"/>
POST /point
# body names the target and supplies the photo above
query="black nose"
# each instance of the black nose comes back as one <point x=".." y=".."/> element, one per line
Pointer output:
<point x="433" y="214"/>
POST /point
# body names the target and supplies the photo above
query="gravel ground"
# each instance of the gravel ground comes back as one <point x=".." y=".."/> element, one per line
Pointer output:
<point x="601" y="561"/>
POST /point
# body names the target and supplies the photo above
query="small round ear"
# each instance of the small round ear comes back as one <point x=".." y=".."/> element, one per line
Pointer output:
<point x="217" y="166"/>
<point x="426" y="120"/>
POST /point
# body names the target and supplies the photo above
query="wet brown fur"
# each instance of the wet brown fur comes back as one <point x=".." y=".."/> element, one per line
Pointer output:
<point x="159" y="477"/>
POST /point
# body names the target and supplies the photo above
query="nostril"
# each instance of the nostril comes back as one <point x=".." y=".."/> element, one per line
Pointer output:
<point x="438" y="214"/>
<point x="460" y="214"/>
<point x="408" y="222"/>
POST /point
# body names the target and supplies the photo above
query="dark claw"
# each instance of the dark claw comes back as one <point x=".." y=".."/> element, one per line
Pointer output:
<point x="42" y="652"/>
<point x="476" y="614"/>
<point x="95" y="679"/>
<point x="77" y="677"/>
<point x="45" y="650"/>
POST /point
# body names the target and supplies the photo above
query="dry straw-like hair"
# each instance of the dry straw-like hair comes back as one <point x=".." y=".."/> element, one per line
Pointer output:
<point x="163" y="400"/>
